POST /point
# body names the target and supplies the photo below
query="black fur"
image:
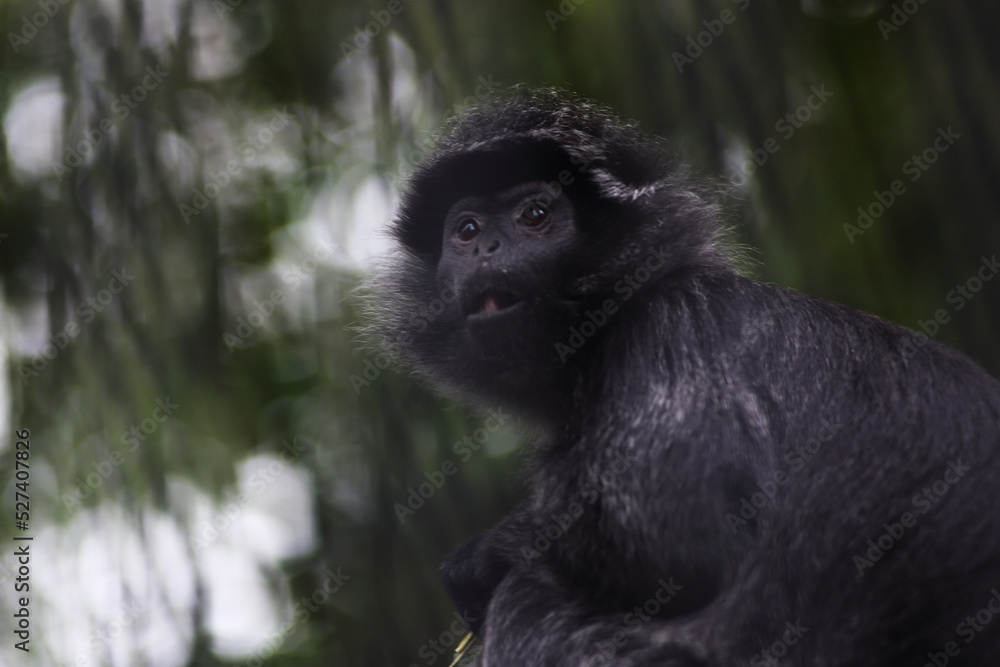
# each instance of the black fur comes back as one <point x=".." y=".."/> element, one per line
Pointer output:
<point x="720" y="452"/>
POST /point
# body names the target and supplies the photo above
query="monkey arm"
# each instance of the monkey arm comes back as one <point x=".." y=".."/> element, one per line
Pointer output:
<point x="535" y="619"/>
<point x="472" y="571"/>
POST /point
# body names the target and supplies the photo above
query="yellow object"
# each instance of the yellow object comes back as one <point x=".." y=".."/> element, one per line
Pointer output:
<point x="462" y="647"/>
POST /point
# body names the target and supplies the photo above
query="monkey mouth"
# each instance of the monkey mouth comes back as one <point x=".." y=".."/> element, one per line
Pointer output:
<point x="491" y="302"/>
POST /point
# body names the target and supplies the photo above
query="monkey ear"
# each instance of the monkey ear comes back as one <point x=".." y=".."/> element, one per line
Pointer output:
<point x="636" y="169"/>
<point x="626" y="175"/>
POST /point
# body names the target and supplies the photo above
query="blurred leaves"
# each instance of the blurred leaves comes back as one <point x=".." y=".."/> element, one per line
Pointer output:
<point x="241" y="309"/>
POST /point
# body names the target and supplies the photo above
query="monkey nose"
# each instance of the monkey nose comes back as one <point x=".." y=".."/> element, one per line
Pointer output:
<point x="489" y="247"/>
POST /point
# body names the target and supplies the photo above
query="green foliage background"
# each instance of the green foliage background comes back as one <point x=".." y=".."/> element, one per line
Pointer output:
<point x="363" y="107"/>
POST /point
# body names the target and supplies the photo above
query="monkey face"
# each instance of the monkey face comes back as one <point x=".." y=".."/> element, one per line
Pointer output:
<point x="499" y="253"/>
<point x="530" y="217"/>
<point x="503" y="261"/>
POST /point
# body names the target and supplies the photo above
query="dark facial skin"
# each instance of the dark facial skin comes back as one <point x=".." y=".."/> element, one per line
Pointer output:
<point x="495" y="245"/>
<point x="505" y="256"/>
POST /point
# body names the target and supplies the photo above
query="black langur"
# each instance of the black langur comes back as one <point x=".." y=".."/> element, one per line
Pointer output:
<point x="733" y="473"/>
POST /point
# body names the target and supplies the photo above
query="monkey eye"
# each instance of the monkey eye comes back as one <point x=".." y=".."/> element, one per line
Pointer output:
<point x="535" y="214"/>
<point x="468" y="229"/>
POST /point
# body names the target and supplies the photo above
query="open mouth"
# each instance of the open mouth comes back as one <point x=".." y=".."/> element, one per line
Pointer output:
<point x="491" y="302"/>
